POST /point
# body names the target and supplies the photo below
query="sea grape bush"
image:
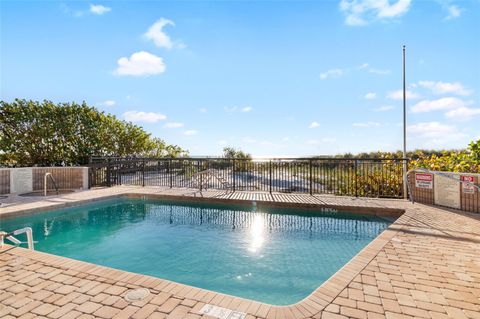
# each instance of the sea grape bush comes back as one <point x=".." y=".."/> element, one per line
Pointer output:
<point x="47" y="133"/>
<point x="464" y="161"/>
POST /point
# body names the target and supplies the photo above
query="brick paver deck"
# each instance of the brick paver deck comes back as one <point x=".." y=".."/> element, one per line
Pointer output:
<point x="426" y="265"/>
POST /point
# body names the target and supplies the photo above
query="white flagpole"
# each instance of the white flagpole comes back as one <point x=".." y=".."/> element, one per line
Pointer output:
<point x="405" y="178"/>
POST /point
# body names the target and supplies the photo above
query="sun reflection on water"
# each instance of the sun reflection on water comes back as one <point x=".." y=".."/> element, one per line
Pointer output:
<point x="257" y="230"/>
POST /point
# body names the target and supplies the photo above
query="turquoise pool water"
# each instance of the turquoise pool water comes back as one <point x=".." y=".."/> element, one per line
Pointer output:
<point x="273" y="255"/>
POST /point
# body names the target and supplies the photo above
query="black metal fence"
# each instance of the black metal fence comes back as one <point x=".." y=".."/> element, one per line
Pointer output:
<point x="349" y="177"/>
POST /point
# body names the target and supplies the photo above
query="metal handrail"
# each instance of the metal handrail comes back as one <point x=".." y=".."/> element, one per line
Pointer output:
<point x="27" y="230"/>
<point x="100" y="159"/>
<point x="443" y="174"/>
<point x="45" y="183"/>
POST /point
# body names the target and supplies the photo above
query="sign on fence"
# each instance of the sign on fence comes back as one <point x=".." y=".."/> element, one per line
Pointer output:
<point x="468" y="188"/>
<point x="21" y="180"/>
<point x="423" y="180"/>
<point x="447" y="190"/>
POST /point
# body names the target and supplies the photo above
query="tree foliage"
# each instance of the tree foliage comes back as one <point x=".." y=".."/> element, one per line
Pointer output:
<point x="465" y="161"/>
<point x="244" y="162"/>
<point x="232" y="153"/>
<point x="45" y="133"/>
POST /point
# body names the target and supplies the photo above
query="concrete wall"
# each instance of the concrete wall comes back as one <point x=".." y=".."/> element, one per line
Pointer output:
<point x="27" y="179"/>
<point x="446" y="191"/>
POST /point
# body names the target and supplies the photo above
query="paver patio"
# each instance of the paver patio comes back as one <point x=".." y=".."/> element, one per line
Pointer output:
<point x="426" y="265"/>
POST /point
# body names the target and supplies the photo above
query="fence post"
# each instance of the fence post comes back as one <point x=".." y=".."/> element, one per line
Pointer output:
<point x="233" y="175"/>
<point x="90" y="176"/>
<point x="201" y="175"/>
<point x="143" y="172"/>
<point x="119" y="174"/>
<point x="109" y="183"/>
<point x="356" y="180"/>
<point x="310" y="173"/>
<point x="270" y="176"/>
<point x="170" y="172"/>
<point x="405" y="178"/>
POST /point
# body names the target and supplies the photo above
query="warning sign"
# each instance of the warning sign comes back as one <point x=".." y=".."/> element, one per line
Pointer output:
<point x="468" y="188"/>
<point x="423" y="180"/>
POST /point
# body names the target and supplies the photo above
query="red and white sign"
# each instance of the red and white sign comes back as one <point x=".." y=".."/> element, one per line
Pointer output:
<point x="423" y="180"/>
<point x="466" y="187"/>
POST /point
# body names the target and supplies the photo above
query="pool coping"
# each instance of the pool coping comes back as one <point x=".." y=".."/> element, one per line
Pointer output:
<point x="366" y="210"/>
<point x="309" y="306"/>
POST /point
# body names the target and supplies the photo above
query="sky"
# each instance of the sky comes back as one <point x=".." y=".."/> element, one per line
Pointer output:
<point x="273" y="78"/>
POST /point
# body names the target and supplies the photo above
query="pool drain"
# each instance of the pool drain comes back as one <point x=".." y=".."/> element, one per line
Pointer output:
<point x="137" y="294"/>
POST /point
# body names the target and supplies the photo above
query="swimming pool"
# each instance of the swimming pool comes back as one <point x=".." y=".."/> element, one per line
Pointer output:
<point x="274" y="255"/>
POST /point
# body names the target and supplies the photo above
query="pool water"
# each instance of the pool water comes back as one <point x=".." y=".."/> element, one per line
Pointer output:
<point x="274" y="255"/>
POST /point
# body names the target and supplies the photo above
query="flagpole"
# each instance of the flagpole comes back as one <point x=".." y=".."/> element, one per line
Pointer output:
<point x="405" y="178"/>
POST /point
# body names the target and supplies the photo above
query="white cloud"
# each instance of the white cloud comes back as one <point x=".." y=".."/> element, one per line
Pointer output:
<point x="156" y="34"/>
<point x="366" y="124"/>
<point x="99" y="9"/>
<point x="379" y="71"/>
<point x="222" y="142"/>
<point x="398" y="95"/>
<point x="107" y="103"/>
<point x="173" y="125"/>
<point x="445" y="87"/>
<point x="361" y="12"/>
<point x="203" y="110"/>
<point x="138" y="116"/>
<point x="463" y="113"/>
<point x="456" y="108"/>
<point x="431" y="129"/>
<point x="332" y="73"/>
<point x="453" y="12"/>
<point x="314" y="124"/>
<point x="435" y="134"/>
<point x="233" y="109"/>
<point x="190" y="132"/>
<point x="384" y="108"/>
<point x="370" y="96"/>
<point x="140" y="64"/>
<point x="446" y="103"/>
<point x="367" y="67"/>
<point x="394" y="10"/>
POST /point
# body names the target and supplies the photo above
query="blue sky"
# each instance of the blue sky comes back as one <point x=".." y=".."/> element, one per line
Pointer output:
<point x="274" y="78"/>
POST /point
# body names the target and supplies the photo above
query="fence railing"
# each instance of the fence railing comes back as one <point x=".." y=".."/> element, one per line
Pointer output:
<point x="345" y="176"/>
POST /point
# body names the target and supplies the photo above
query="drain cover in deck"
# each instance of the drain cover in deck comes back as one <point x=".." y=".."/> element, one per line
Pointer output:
<point x="137" y="294"/>
<point x="221" y="313"/>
